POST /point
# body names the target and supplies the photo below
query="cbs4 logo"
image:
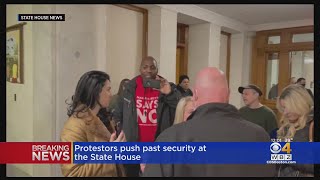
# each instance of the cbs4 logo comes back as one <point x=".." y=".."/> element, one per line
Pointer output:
<point x="276" y="148"/>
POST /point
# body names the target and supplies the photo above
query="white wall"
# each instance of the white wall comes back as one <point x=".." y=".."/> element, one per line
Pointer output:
<point x="101" y="36"/>
<point x="168" y="45"/>
<point x="223" y="52"/>
<point x="247" y="61"/>
<point x="75" y="53"/>
<point x="198" y="52"/>
<point x="231" y="25"/>
<point x="240" y="65"/>
<point x="154" y="32"/>
<point x="236" y="73"/>
<point x="76" y="44"/>
<point x="124" y="45"/>
<point x="162" y="36"/>
<point x="204" y="48"/>
<point x="20" y="113"/>
<point x="24" y="92"/>
<point x="44" y="78"/>
<point x="214" y="45"/>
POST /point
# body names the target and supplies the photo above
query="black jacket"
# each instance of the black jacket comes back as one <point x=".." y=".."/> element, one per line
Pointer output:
<point x="183" y="92"/>
<point x="310" y="92"/>
<point x="126" y="111"/>
<point x="213" y="122"/>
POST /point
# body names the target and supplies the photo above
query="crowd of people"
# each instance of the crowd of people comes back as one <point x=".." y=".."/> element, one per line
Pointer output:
<point x="166" y="112"/>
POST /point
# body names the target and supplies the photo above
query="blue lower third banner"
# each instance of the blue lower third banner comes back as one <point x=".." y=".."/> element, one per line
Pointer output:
<point x="197" y="153"/>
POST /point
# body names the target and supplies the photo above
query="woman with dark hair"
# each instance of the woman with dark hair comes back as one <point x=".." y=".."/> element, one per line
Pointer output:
<point x="92" y="94"/>
<point x="183" y="86"/>
<point x="115" y="98"/>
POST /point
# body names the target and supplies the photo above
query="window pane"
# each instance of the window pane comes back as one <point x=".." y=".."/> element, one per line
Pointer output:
<point x="302" y="63"/>
<point x="307" y="37"/>
<point x="272" y="75"/>
<point x="274" y="40"/>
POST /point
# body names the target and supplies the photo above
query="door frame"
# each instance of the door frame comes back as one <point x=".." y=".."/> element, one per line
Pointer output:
<point x="228" y="55"/>
<point x="259" y="58"/>
<point x="182" y="44"/>
<point x="145" y="24"/>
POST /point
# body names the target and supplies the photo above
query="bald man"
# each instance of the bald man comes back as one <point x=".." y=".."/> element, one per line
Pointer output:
<point x="214" y="120"/>
<point x="146" y="109"/>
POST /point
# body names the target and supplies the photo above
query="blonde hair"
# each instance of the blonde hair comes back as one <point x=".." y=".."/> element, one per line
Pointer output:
<point x="296" y="99"/>
<point x="181" y="108"/>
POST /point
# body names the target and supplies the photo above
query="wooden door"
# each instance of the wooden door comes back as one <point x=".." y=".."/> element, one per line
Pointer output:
<point x="182" y="51"/>
<point x="178" y="62"/>
<point x="275" y="46"/>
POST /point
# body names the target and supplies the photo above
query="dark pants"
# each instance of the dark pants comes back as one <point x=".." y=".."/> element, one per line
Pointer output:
<point x="132" y="170"/>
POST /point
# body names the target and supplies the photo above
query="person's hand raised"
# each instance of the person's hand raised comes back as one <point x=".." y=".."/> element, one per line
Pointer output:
<point x="120" y="138"/>
<point x="165" y="87"/>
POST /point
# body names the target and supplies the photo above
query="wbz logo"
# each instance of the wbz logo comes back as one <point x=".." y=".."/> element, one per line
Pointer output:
<point x="276" y="148"/>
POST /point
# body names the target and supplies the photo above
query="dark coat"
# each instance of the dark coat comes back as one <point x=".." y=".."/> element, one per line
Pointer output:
<point x="126" y="111"/>
<point x="183" y="92"/>
<point x="213" y="122"/>
<point x="310" y="92"/>
<point x="88" y="128"/>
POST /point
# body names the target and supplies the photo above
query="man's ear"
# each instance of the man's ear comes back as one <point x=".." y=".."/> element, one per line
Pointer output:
<point x="195" y="97"/>
<point x="195" y="94"/>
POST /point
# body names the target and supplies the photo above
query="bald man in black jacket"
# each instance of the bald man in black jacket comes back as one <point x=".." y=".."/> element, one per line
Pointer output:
<point x="214" y="120"/>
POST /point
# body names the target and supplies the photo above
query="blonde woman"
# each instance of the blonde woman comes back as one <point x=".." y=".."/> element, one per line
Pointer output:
<point x="295" y="104"/>
<point x="184" y="108"/>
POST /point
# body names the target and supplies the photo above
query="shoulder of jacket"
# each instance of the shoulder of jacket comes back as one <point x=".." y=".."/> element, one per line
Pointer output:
<point x="269" y="110"/>
<point x="168" y="135"/>
<point x="173" y="85"/>
<point x="131" y="85"/>
<point x="73" y="121"/>
<point x="243" y="108"/>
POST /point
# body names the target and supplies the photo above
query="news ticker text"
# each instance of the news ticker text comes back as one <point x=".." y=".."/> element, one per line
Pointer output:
<point x="41" y="17"/>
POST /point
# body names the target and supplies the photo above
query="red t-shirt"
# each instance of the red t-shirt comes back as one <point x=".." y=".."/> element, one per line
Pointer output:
<point x="146" y="104"/>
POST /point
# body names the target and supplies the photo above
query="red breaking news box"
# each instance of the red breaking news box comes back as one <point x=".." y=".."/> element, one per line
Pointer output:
<point x="36" y="152"/>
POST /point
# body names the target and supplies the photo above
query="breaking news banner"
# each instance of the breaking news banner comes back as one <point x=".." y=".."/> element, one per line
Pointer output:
<point x="161" y="153"/>
<point x="36" y="152"/>
<point x="41" y="17"/>
<point x="195" y="153"/>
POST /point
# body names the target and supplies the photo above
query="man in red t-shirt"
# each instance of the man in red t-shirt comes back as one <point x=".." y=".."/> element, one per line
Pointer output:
<point x="145" y="112"/>
<point x="146" y="104"/>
